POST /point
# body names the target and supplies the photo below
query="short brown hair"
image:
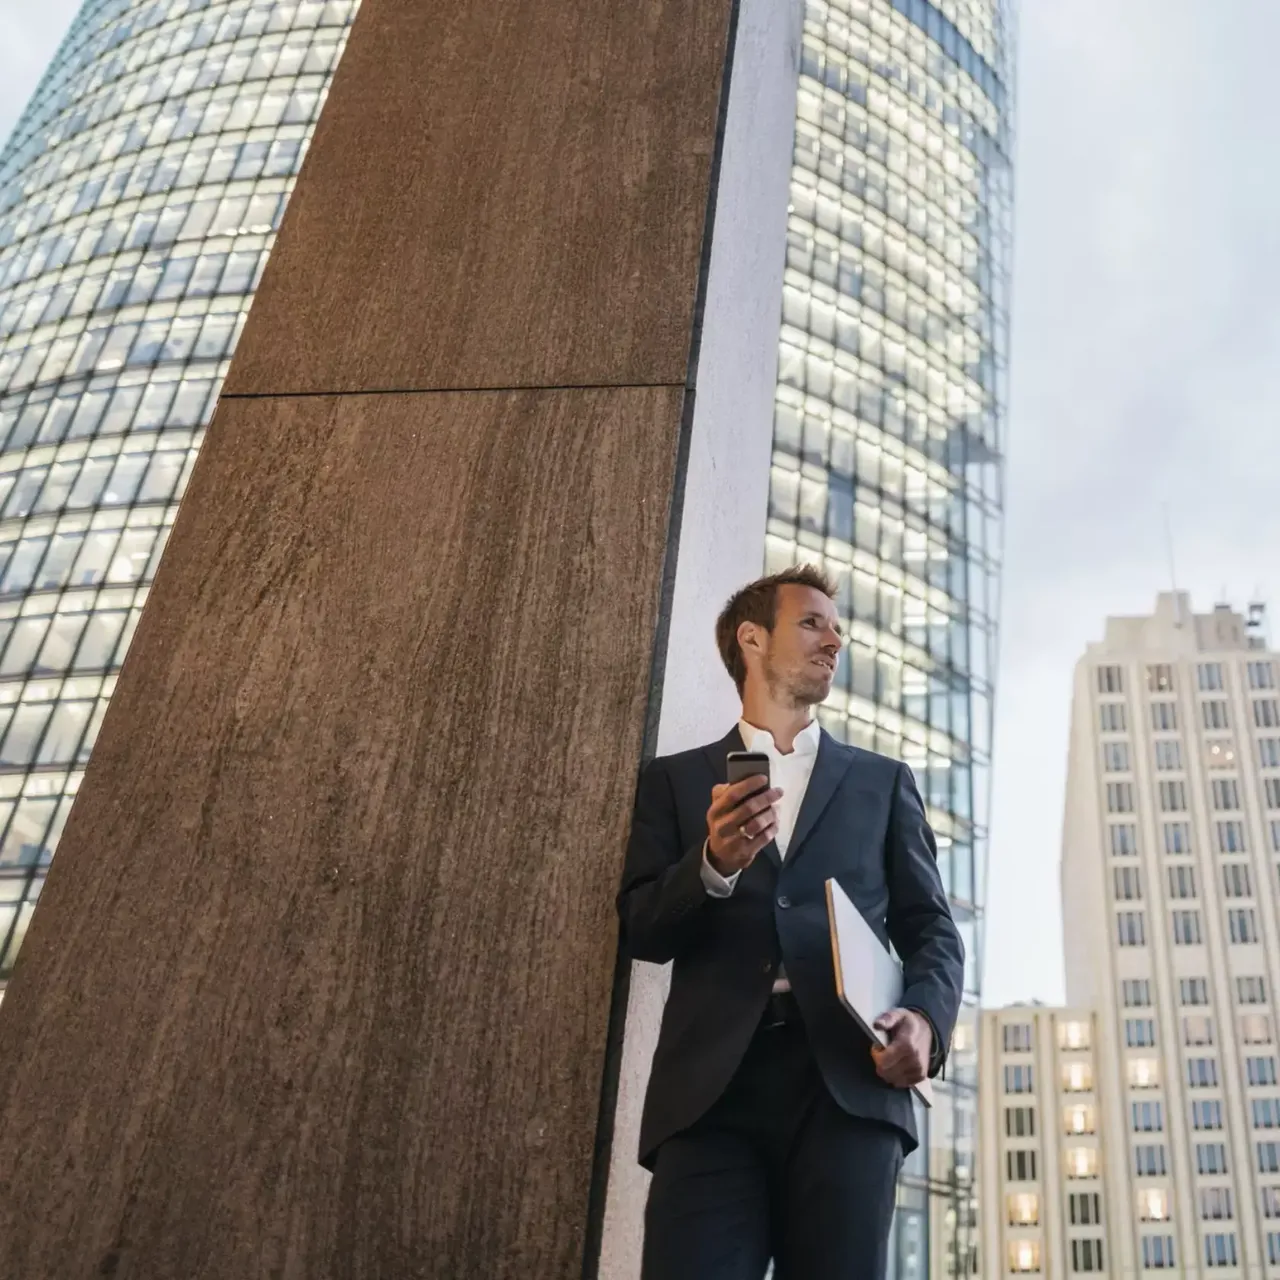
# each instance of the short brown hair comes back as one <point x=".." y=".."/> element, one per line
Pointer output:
<point x="758" y="602"/>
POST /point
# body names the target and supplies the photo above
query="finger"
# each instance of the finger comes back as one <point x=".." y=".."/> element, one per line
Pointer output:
<point x="761" y="822"/>
<point x="902" y="1075"/>
<point x="891" y="1056"/>
<point x="890" y="1021"/>
<point x="744" y="787"/>
<point x="906" y="1075"/>
<point x="737" y="792"/>
<point x="756" y="804"/>
<point x="731" y="830"/>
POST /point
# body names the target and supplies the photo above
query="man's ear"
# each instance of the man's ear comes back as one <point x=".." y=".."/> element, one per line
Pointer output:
<point x="751" y="637"/>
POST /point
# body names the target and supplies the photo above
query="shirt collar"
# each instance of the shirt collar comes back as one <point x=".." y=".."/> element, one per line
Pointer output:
<point x="806" y="741"/>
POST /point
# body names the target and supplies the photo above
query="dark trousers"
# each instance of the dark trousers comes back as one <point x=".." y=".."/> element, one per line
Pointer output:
<point x="775" y="1170"/>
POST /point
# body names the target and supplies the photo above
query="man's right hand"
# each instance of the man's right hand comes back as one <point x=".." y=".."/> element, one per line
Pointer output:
<point x="740" y="824"/>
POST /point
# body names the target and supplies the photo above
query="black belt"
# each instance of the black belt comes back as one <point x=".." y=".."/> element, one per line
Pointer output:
<point x="781" y="1010"/>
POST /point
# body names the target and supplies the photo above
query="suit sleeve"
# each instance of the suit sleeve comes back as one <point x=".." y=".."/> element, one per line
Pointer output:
<point x="919" y="919"/>
<point x="663" y="893"/>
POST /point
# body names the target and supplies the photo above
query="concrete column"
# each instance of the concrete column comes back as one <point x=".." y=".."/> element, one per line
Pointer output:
<point x="321" y="983"/>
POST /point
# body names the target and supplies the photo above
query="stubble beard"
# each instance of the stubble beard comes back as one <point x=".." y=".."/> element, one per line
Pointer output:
<point x="801" y="689"/>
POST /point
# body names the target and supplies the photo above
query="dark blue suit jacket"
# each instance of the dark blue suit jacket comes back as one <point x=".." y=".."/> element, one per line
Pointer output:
<point x="862" y="822"/>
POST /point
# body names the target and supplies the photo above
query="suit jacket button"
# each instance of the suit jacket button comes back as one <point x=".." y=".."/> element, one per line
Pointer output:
<point x="767" y="967"/>
<point x="784" y="902"/>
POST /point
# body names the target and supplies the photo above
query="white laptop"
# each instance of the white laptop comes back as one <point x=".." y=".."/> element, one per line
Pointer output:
<point x="868" y="979"/>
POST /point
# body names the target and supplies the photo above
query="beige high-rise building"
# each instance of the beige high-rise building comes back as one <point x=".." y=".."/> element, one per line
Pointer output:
<point x="1138" y="1130"/>
<point x="1041" y="1178"/>
<point x="1170" y="842"/>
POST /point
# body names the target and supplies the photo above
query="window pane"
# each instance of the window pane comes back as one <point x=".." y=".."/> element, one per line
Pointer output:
<point x="100" y="638"/>
<point x="66" y="728"/>
<point x="24" y="644"/>
<point x="24" y="842"/>
<point x="60" y="642"/>
<point x="95" y="556"/>
<point x="24" y="734"/>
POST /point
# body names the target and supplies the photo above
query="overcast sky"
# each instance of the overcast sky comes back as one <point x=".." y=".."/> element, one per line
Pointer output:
<point x="1146" y="370"/>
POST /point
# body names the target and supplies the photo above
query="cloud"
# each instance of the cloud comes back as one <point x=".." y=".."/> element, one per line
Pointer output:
<point x="1144" y="333"/>
<point x="28" y="40"/>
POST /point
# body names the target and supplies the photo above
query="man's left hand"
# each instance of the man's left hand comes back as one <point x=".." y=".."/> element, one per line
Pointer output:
<point x="904" y="1061"/>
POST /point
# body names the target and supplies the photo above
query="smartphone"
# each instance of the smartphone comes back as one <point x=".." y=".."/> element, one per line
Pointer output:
<point x="748" y="764"/>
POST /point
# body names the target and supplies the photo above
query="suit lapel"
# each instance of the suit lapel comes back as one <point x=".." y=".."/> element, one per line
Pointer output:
<point x="828" y="769"/>
<point x="717" y="755"/>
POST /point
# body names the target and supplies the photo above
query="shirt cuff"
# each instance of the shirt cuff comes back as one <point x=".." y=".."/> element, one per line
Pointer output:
<point x="937" y="1050"/>
<point x="716" y="885"/>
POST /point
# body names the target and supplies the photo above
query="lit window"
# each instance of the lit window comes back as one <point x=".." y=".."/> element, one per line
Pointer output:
<point x="1075" y="1035"/>
<point x="1024" y="1255"/>
<point x="1197" y="1029"/>
<point x="1080" y="1119"/>
<point x="1255" y="1028"/>
<point x="1077" y="1077"/>
<point x="1144" y="1073"/>
<point x="1024" y="1209"/>
<point x="1082" y="1162"/>
<point x="1153" y="1205"/>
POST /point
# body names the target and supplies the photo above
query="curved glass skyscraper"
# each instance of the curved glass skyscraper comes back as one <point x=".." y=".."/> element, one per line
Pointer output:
<point x="139" y="195"/>
<point x="888" y="439"/>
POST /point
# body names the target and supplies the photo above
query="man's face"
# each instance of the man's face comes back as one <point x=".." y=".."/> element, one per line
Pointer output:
<point x="797" y="660"/>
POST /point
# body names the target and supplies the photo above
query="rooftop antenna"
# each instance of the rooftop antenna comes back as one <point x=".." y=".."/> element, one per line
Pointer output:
<point x="1173" y="572"/>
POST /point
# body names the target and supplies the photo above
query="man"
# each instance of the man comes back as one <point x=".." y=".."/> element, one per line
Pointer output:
<point x="773" y="1128"/>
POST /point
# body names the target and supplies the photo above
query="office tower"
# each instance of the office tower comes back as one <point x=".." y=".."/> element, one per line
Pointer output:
<point x="887" y="450"/>
<point x="1170" y="844"/>
<point x="1042" y="1186"/>
<point x="139" y="196"/>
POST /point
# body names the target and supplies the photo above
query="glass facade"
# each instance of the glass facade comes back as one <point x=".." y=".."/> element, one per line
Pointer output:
<point x="888" y="440"/>
<point x="139" y="196"/>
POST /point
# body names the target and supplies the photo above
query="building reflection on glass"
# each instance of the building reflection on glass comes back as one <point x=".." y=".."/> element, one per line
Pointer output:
<point x="140" y="193"/>
<point x="888" y="444"/>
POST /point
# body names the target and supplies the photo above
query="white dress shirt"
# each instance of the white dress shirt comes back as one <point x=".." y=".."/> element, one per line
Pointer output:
<point x="791" y="774"/>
